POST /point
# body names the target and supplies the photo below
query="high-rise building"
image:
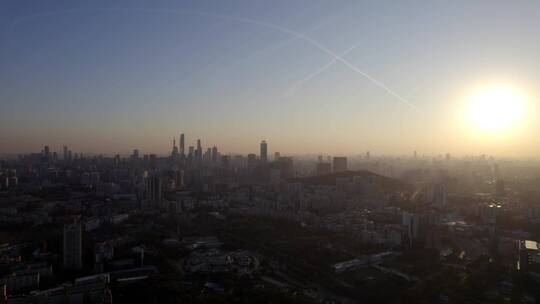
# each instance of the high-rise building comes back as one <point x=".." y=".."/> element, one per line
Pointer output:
<point x="440" y="194"/>
<point x="323" y="168"/>
<point x="46" y="153"/>
<point x="73" y="246"/>
<point x="135" y="154"/>
<point x="179" y="179"/>
<point x="285" y="166"/>
<point x="174" y="152"/>
<point x="340" y="163"/>
<point x="65" y="153"/>
<point x="208" y="155"/>
<point x="264" y="151"/>
<point x="198" y="152"/>
<point x="495" y="170"/>
<point x="251" y="160"/>
<point x="182" y="145"/>
<point x="500" y="188"/>
<point x="94" y="178"/>
<point x="215" y="154"/>
<point x="529" y="251"/>
<point x="153" y="189"/>
<point x="277" y="155"/>
<point x="225" y="161"/>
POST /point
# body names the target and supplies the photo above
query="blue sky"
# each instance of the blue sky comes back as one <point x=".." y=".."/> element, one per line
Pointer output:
<point x="105" y="76"/>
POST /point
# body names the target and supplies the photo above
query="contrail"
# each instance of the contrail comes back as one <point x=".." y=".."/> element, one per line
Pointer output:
<point x="279" y="28"/>
<point x="273" y="47"/>
<point x="333" y="55"/>
<point x="298" y="85"/>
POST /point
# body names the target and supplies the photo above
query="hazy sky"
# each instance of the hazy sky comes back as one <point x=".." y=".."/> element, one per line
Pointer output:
<point x="307" y="76"/>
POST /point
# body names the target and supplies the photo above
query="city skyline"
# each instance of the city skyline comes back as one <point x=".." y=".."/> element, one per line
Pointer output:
<point x="262" y="151"/>
<point x="109" y="78"/>
<point x="176" y="149"/>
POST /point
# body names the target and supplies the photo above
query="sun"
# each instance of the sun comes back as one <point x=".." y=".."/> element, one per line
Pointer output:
<point x="496" y="108"/>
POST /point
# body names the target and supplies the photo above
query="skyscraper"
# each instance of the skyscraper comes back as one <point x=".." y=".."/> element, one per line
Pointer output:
<point x="340" y="163"/>
<point x="440" y="192"/>
<point x="207" y="157"/>
<point x="182" y="145"/>
<point x="198" y="152"/>
<point x="65" y="153"/>
<point x="264" y="151"/>
<point x="73" y="246"/>
<point x="214" y="154"/>
<point x="174" y="152"/>
<point x="153" y="189"/>
<point x="46" y="153"/>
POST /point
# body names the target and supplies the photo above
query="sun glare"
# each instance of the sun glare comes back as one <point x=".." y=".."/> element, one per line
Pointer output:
<point x="496" y="108"/>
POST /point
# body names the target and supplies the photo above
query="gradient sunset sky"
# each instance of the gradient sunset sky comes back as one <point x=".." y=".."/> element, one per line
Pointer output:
<point x="338" y="77"/>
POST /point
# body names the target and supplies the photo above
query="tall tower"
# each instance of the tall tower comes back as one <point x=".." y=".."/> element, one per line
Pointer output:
<point x="73" y="246"/>
<point x="264" y="151"/>
<point x="198" y="152"/>
<point x="182" y="145"/>
<point x="174" y="153"/>
<point x="214" y="154"/>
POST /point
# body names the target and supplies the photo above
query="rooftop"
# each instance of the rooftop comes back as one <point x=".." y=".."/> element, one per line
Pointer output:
<point x="531" y="245"/>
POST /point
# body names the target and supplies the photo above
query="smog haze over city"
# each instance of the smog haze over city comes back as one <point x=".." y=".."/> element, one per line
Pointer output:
<point x="306" y="151"/>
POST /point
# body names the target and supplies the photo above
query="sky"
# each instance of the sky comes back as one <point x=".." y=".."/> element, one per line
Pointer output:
<point x="317" y="76"/>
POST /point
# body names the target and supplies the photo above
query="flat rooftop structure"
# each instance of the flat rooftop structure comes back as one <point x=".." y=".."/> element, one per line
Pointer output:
<point x="531" y="245"/>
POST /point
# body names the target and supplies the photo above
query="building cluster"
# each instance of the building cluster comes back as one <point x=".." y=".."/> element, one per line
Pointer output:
<point x="82" y="219"/>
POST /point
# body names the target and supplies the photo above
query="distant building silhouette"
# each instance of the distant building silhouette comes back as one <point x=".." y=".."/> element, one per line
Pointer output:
<point x="153" y="189"/>
<point x="215" y="154"/>
<point x="323" y="168"/>
<point x="182" y="145"/>
<point x="500" y="190"/>
<point x="285" y="166"/>
<point x="264" y="151"/>
<point x="440" y="194"/>
<point x="73" y="246"/>
<point x="340" y="164"/>
<point x="251" y="160"/>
